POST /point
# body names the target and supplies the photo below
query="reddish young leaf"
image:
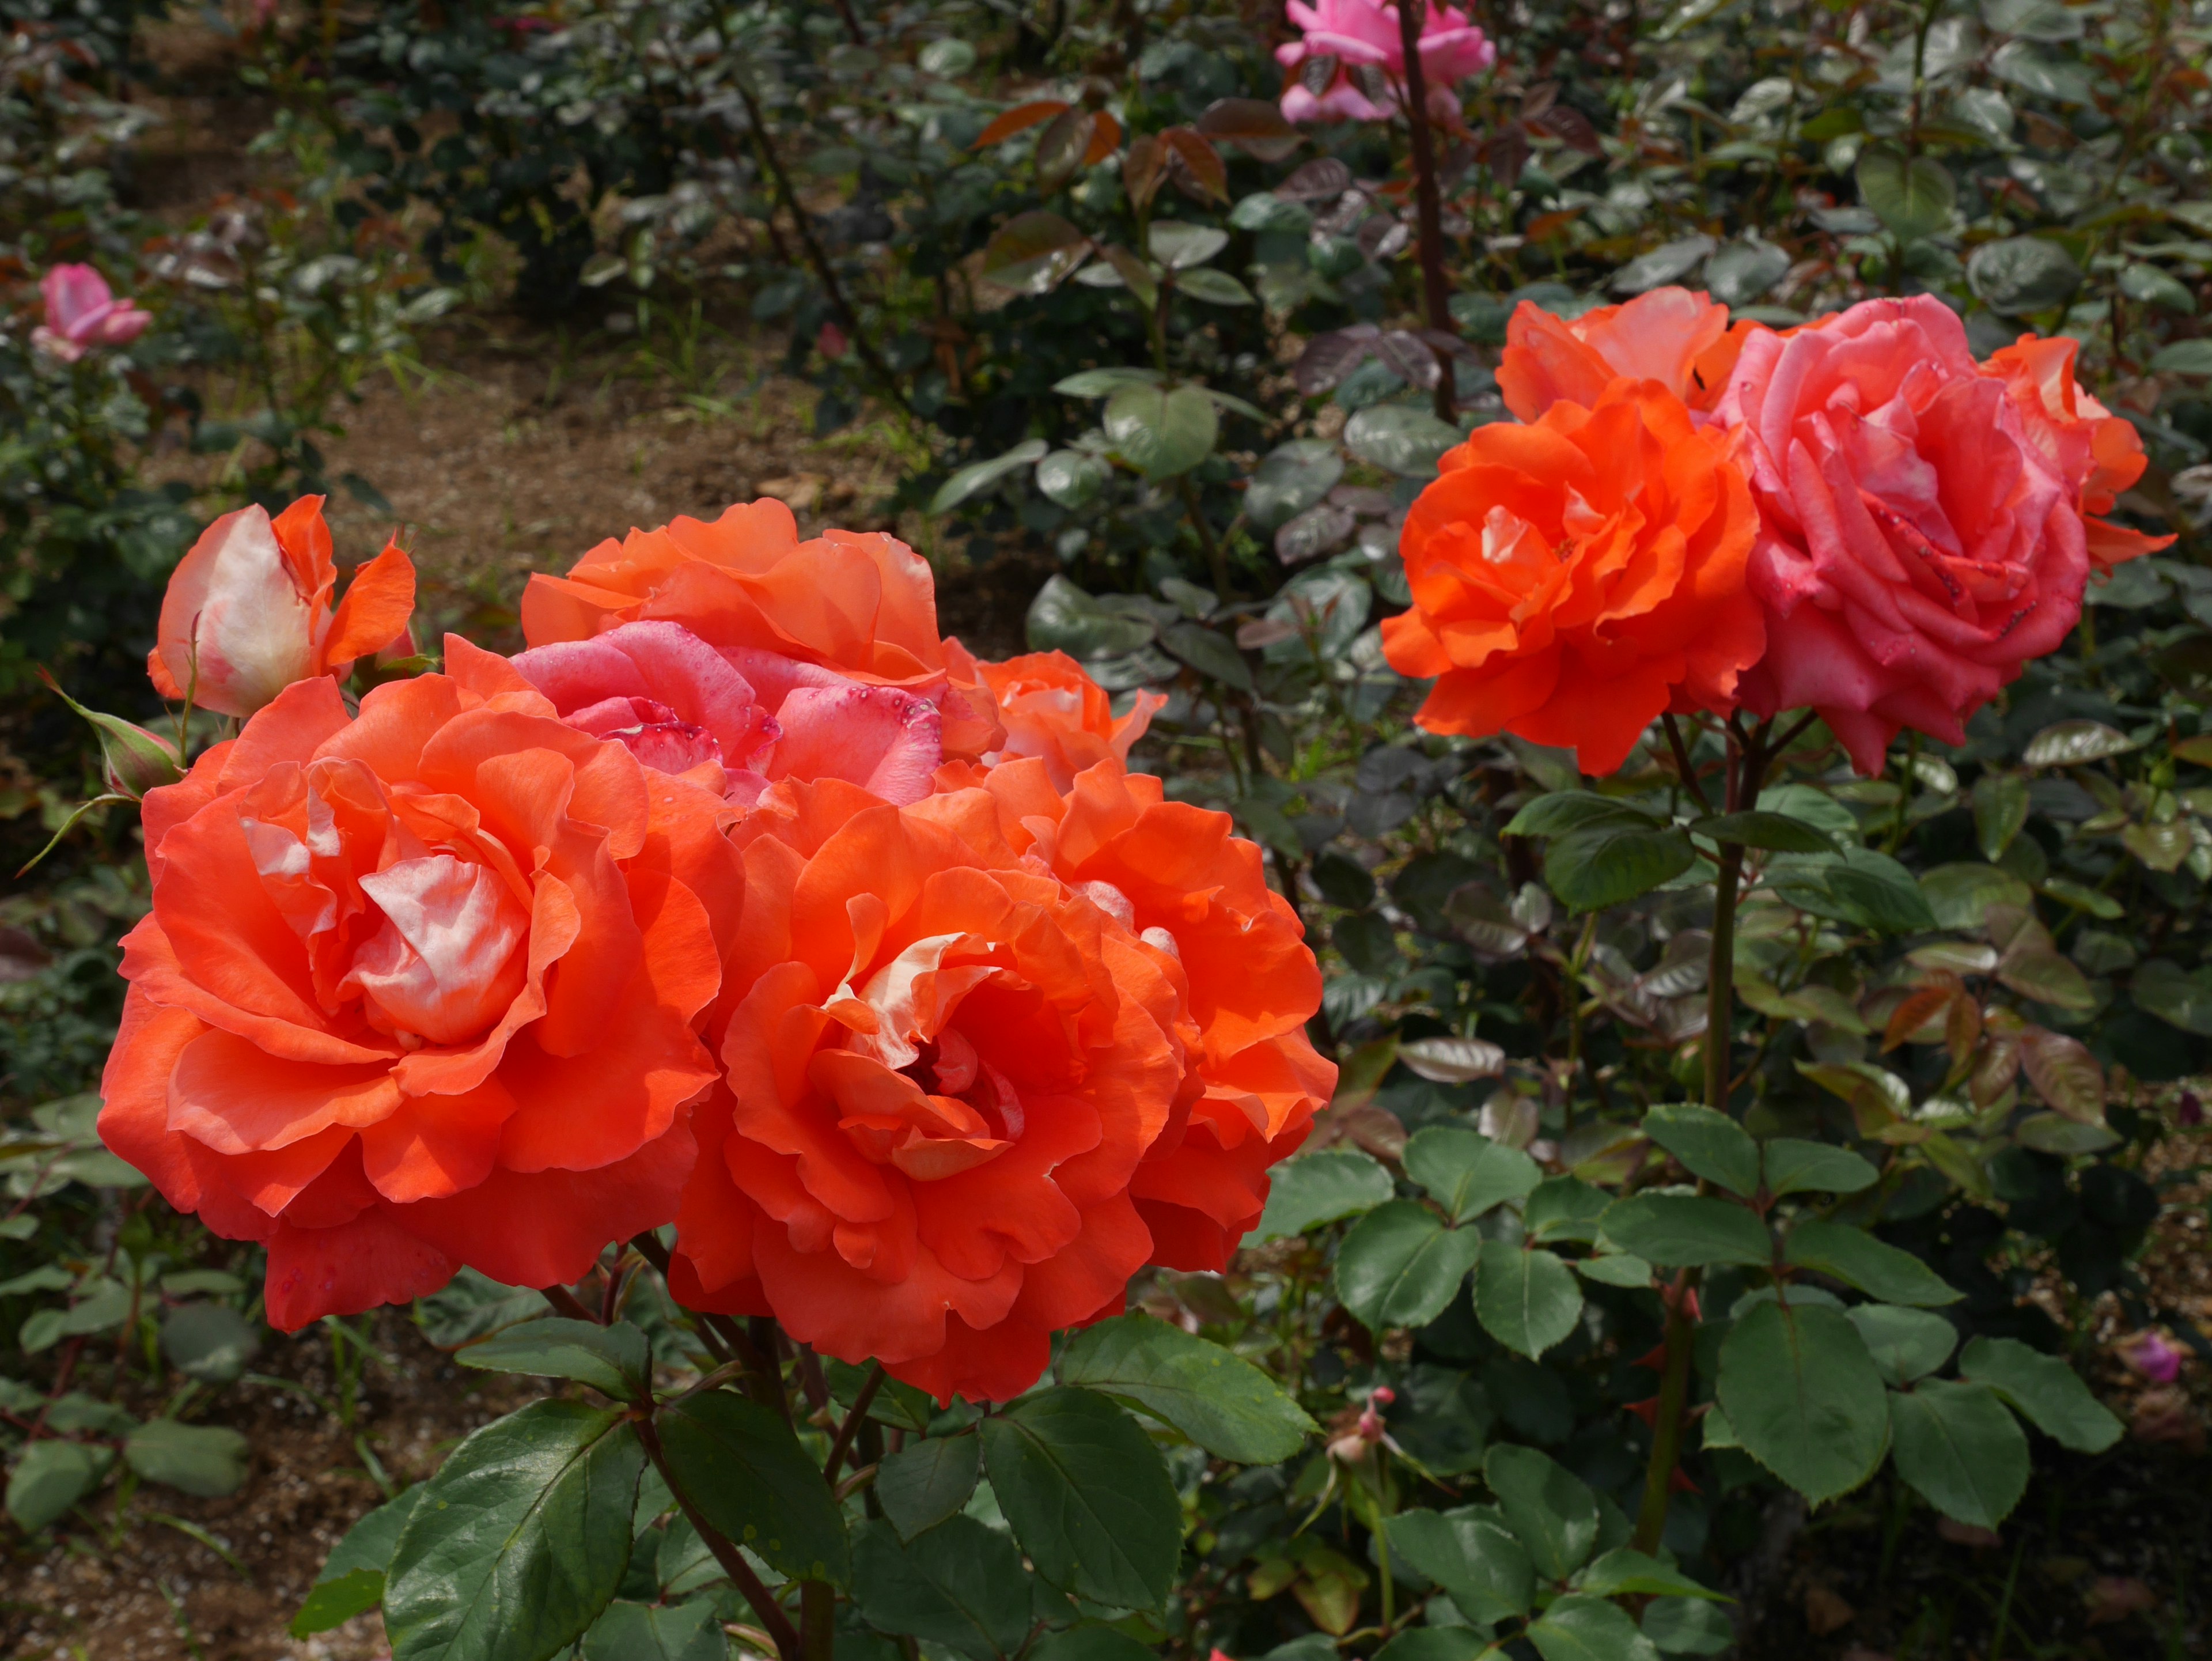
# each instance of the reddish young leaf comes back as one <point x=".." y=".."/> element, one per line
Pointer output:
<point x="1196" y="155"/>
<point x="1020" y="118"/>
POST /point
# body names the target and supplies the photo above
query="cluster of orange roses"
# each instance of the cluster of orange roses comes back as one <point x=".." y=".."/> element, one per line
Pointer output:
<point x="741" y="900"/>
<point x="1853" y="516"/>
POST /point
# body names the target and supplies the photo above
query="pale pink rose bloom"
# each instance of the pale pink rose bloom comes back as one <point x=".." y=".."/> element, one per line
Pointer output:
<point x="1916" y="546"/>
<point x="734" y="720"/>
<point x="83" y="312"/>
<point x="1362" y="31"/>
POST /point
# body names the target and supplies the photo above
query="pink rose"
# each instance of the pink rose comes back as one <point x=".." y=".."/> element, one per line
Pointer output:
<point x="1916" y="546"/>
<point x="734" y="720"/>
<point x="1361" y="32"/>
<point x="82" y="313"/>
<point x="2149" y="1353"/>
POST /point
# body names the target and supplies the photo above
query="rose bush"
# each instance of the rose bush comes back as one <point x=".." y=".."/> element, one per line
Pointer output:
<point x="418" y="990"/>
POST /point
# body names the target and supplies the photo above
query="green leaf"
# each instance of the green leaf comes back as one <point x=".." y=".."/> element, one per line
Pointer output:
<point x="615" y="1361"/>
<point x="2074" y="744"/>
<point x="1087" y="1495"/>
<point x="979" y="477"/>
<point x="1215" y="288"/>
<point x="1709" y="1143"/>
<point x="2047" y="1392"/>
<point x="1525" y="1297"/>
<point x="211" y="1342"/>
<point x="960" y="1585"/>
<point x="2000" y="810"/>
<point x="1074" y="479"/>
<point x="1105" y="383"/>
<point x="208" y="1460"/>
<point x="1581" y="1628"/>
<point x="50" y="1476"/>
<point x="2018" y="275"/>
<point x="1211" y="653"/>
<point x="1795" y="1166"/>
<point x="1912" y="198"/>
<point x="520" y="1540"/>
<point x="351" y="1581"/>
<point x="1551" y="1509"/>
<point x="653" y="1632"/>
<point x="1399" y="1266"/>
<point x="1563" y="1208"/>
<point x="1960" y="1449"/>
<point x="1856" y="887"/>
<point x="1906" y="1343"/>
<point x="2189" y="357"/>
<point x="1685" y="1625"/>
<point x="1218" y="1399"/>
<point x="928" y="1480"/>
<point x="1090" y="1642"/>
<point x="1435" y="1644"/>
<point x="1804" y="1398"/>
<point x="740" y="1464"/>
<point x="1161" y="434"/>
<point x="1465" y="1173"/>
<point x="1622" y="1571"/>
<point x="1399" y="439"/>
<point x="1179" y="245"/>
<point x="1562" y="811"/>
<point x="1960" y="896"/>
<point x="1614" y="1269"/>
<point x="1318" y="1188"/>
<point x="1856" y="1258"/>
<point x="1607" y="864"/>
<point x="1877" y="1096"/>
<point x="1684" y="1229"/>
<point x="1292" y="478"/>
<point x="2176" y="996"/>
<point x="1481" y="1565"/>
<point x="1775" y="831"/>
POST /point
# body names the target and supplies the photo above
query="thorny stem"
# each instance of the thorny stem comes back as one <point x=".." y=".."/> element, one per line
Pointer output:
<point x="773" y="1620"/>
<point x="1691" y="782"/>
<point x="1749" y="759"/>
<point x="1435" y="293"/>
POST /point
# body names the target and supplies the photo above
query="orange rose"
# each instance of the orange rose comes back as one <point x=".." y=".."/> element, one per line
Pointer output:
<point x="2099" y="453"/>
<point x="1053" y="710"/>
<point x="861" y="604"/>
<point x="944" y="1066"/>
<point x="418" y="990"/>
<point x="1679" y="339"/>
<point x="248" y="610"/>
<point x="1175" y="874"/>
<point x="1575" y="579"/>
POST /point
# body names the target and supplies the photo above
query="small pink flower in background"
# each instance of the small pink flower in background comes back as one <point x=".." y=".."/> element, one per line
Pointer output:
<point x="83" y="312"/>
<point x="2149" y="1355"/>
<point x="831" y="342"/>
<point x="1363" y="33"/>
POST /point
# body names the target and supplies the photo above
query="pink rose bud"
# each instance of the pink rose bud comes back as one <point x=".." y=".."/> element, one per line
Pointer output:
<point x="2151" y="1355"/>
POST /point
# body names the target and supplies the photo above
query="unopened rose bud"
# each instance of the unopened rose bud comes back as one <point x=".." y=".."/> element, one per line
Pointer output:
<point x="132" y="760"/>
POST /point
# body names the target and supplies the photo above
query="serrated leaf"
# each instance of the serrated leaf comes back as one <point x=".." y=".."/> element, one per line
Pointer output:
<point x="739" y="1464"/>
<point x="1465" y="1173"/>
<point x="1856" y="885"/>
<point x="654" y="1632"/>
<point x="1525" y="1297"/>
<point x="2076" y="743"/>
<point x="1607" y="864"/>
<point x="1293" y="477"/>
<point x="1452" y="1061"/>
<point x="1481" y="1565"/>
<point x="1877" y="1096"/>
<point x="1180" y="244"/>
<point x="2047" y="1392"/>
<point x="1584" y="1629"/>
<point x="2176" y="996"/>
<point x="1804" y="1398"/>
<point x="1856" y="1258"/>
<point x="1161" y="433"/>
<point x="1708" y="1142"/>
<point x="1033" y="253"/>
<point x="1321" y="1187"/>
<point x="1220" y="1401"/>
<point x="1677" y="1229"/>
<point x="1563" y="1208"/>
<point x="615" y="1361"/>
<point x="2000" y="810"/>
<point x="1400" y="440"/>
<point x="1960" y="1449"/>
<point x="2018" y="275"/>
<point x="210" y="1343"/>
<point x="209" y="1460"/>
<point x="1549" y="1508"/>
<point x="979" y="477"/>
<point x="519" y="1540"/>
<point x="1912" y="196"/>
<point x="1087" y="1495"/>
<point x="1561" y="811"/>
<point x="1775" y="831"/>
<point x="1621" y="1572"/>
<point x="1215" y="289"/>
<point x="1906" y="1343"/>
<point x="351" y="1580"/>
<point x="928" y="1480"/>
<point x="1211" y="654"/>
<point x="1795" y="1166"/>
<point x="1399" y="1266"/>
<point x="960" y="1585"/>
<point x="49" y="1477"/>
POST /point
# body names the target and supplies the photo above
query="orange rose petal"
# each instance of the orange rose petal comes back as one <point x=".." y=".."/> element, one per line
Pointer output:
<point x="314" y="1272"/>
<point x="437" y="1146"/>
